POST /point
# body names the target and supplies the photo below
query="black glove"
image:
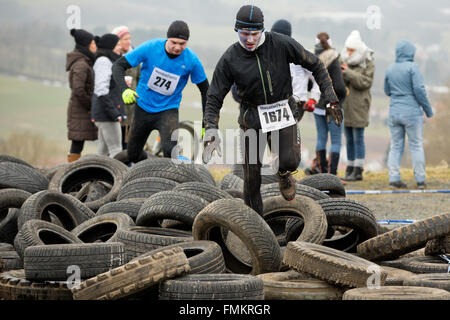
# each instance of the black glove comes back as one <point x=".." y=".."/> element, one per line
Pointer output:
<point x="211" y="142"/>
<point x="296" y="108"/>
<point x="333" y="111"/>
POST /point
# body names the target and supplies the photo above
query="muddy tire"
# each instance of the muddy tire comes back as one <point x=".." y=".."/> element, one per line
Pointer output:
<point x="396" y="293"/>
<point x="134" y="276"/>
<point x="204" y="174"/>
<point x="90" y="168"/>
<point x="425" y="264"/>
<point x="19" y="176"/>
<point x="255" y="234"/>
<point x="123" y="157"/>
<point x="128" y="206"/>
<point x="235" y="193"/>
<point x="230" y="181"/>
<point x="212" y="287"/>
<point x="203" y="190"/>
<point x="272" y="189"/>
<point x="51" y="262"/>
<point x="238" y="170"/>
<point x="8" y="158"/>
<point x="38" y="232"/>
<point x="326" y="182"/>
<point x="102" y="228"/>
<point x="438" y="246"/>
<point x="172" y="205"/>
<point x="10" y="260"/>
<point x="14" y="286"/>
<point x="140" y="240"/>
<point x="396" y="276"/>
<point x="331" y="265"/>
<point x="144" y="188"/>
<point x="405" y="239"/>
<point x="293" y="285"/>
<point x="42" y="205"/>
<point x="431" y="280"/>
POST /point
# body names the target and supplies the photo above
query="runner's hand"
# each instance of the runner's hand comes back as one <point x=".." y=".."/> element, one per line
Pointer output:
<point x="211" y="142"/>
<point x="128" y="96"/>
<point x="334" y="111"/>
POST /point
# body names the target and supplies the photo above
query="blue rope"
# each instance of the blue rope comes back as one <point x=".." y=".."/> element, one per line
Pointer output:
<point x="394" y="191"/>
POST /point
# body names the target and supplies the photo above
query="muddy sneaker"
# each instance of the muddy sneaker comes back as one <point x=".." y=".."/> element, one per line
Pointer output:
<point x="398" y="184"/>
<point x="287" y="185"/>
<point x="421" y="185"/>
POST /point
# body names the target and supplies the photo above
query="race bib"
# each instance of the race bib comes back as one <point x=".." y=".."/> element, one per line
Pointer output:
<point x="275" y="116"/>
<point x="163" y="82"/>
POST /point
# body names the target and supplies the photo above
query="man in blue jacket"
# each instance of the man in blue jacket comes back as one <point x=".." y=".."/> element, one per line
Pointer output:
<point x="404" y="84"/>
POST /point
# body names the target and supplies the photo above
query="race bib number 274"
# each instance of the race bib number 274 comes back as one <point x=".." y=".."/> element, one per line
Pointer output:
<point x="275" y="116"/>
<point x="163" y="82"/>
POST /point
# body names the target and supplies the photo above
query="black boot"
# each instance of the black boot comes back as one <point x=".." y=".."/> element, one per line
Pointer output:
<point x="322" y="161"/>
<point x="348" y="173"/>
<point x="334" y="162"/>
<point x="356" y="174"/>
<point x="314" y="168"/>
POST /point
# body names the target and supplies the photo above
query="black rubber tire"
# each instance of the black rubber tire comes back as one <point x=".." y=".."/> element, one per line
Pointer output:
<point x="326" y="182"/>
<point x="144" y="187"/>
<point x="50" y="262"/>
<point x="351" y="214"/>
<point x="50" y="172"/>
<point x="203" y="256"/>
<point x="39" y="232"/>
<point x="311" y="213"/>
<point x="293" y="285"/>
<point x="273" y="189"/>
<point x="128" y="206"/>
<point x="70" y="211"/>
<point x="172" y="205"/>
<point x="20" y="176"/>
<point x="140" y="240"/>
<point x="235" y="193"/>
<point x="396" y="293"/>
<point x="102" y="227"/>
<point x="123" y="157"/>
<point x="6" y="247"/>
<point x="238" y="170"/>
<point x="90" y="168"/>
<point x="331" y="265"/>
<point x="165" y="169"/>
<point x="230" y="181"/>
<point x="405" y="239"/>
<point x="92" y="191"/>
<point x="8" y="158"/>
<point x="203" y="190"/>
<point x="134" y="277"/>
<point x="425" y="264"/>
<point x="438" y="246"/>
<point x="233" y="215"/>
<point x="212" y="287"/>
<point x="14" y="286"/>
<point x="430" y="280"/>
<point x="10" y="260"/>
<point x="204" y="174"/>
<point x="8" y="224"/>
<point x="396" y="276"/>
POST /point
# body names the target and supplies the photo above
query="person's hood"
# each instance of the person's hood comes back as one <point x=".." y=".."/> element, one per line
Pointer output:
<point x="362" y="51"/>
<point x="404" y="51"/>
<point x="74" y="56"/>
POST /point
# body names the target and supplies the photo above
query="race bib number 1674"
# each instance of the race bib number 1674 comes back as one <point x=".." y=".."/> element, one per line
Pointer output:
<point x="275" y="116"/>
<point x="163" y="82"/>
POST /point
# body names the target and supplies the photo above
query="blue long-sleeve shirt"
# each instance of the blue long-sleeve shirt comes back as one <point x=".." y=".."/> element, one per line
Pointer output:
<point x="403" y="82"/>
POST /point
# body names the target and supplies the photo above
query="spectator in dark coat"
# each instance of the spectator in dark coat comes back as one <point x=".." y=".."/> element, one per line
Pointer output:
<point x="81" y="81"/>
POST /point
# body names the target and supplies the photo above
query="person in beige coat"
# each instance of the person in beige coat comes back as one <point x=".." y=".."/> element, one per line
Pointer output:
<point x="358" y="70"/>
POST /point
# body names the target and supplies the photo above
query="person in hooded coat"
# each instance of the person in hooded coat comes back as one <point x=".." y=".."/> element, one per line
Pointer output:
<point x="358" y="70"/>
<point x="81" y="81"/>
<point x="403" y="82"/>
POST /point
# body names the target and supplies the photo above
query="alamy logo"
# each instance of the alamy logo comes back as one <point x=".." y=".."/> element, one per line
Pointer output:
<point x="74" y="19"/>
<point x="373" y="21"/>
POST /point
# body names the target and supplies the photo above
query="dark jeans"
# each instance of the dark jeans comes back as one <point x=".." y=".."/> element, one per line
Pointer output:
<point x="143" y="125"/>
<point x="288" y="158"/>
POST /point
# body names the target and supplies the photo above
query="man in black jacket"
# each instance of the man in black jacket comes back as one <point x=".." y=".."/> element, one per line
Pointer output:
<point x="259" y="66"/>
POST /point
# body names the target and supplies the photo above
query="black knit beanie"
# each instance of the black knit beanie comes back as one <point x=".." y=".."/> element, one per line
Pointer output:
<point x="107" y="41"/>
<point x="249" y="17"/>
<point x="178" y="29"/>
<point x="282" y="26"/>
<point x="82" y="37"/>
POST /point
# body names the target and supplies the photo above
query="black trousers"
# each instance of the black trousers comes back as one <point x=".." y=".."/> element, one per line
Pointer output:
<point x="287" y="158"/>
<point x="77" y="146"/>
<point x="166" y="122"/>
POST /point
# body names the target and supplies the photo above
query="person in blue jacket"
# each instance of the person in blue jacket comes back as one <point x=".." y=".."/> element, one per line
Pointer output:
<point x="167" y="64"/>
<point x="403" y="82"/>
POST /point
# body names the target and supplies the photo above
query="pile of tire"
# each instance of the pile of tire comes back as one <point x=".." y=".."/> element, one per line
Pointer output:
<point x="98" y="228"/>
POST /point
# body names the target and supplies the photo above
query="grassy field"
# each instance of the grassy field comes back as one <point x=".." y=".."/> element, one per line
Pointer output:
<point x="33" y="110"/>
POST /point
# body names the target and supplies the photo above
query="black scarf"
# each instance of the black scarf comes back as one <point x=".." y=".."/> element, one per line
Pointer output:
<point x="107" y="53"/>
<point x="85" y="51"/>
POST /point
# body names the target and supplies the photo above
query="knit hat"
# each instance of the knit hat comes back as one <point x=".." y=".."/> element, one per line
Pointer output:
<point x="282" y="26"/>
<point x="249" y="17"/>
<point x="82" y="37"/>
<point x="178" y="29"/>
<point x="121" y="31"/>
<point x="107" y="41"/>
